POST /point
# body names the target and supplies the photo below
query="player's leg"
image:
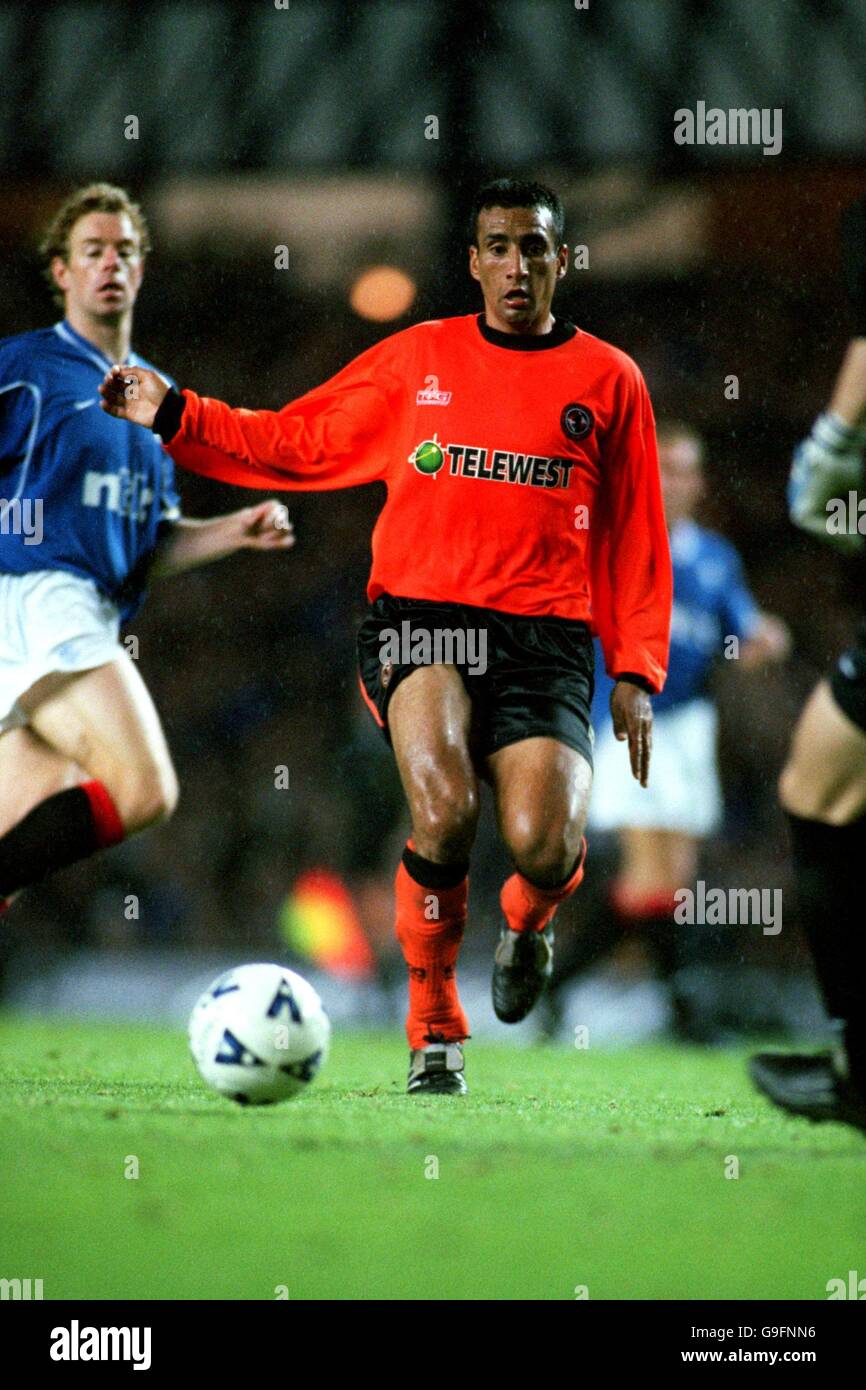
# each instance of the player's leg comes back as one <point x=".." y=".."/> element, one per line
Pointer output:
<point x="30" y="772"/>
<point x="594" y="927"/>
<point x="541" y="788"/>
<point x="639" y="903"/>
<point x="104" y="721"/>
<point x="654" y="865"/>
<point x="824" y="778"/>
<point x="655" y="861"/>
<point x="538" y="750"/>
<point x="429" y="719"/>
<point x="823" y="791"/>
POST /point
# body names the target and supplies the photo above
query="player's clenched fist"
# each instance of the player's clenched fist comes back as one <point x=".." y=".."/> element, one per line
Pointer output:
<point x="265" y="526"/>
<point x="133" y="393"/>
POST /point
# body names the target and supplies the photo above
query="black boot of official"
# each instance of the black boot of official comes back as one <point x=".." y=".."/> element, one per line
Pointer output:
<point x="814" y="1087"/>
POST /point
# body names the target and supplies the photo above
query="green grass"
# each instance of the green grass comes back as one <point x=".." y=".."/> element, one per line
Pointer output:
<point x="561" y="1168"/>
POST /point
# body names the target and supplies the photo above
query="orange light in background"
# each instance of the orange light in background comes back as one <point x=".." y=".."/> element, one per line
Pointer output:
<point x="382" y="293"/>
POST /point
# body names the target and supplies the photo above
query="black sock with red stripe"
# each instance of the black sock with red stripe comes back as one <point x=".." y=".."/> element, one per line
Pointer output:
<point x="62" y="829"/>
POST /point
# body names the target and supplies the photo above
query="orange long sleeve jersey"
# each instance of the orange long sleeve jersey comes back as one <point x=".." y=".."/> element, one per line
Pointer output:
<point x="521" y="478"/>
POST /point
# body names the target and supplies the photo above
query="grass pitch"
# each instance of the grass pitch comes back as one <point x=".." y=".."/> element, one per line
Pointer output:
<point x="563" y="1170"/>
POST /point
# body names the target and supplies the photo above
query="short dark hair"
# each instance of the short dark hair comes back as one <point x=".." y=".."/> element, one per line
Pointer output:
<point x="517" y="193"/>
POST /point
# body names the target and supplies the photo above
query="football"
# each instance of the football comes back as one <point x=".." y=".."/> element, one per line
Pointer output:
<point x="259" y="1034"/>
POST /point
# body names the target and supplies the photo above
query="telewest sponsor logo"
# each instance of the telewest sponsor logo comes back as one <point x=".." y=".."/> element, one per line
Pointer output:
<point x="501" y="466"/>
<point x="77" y="1343"/>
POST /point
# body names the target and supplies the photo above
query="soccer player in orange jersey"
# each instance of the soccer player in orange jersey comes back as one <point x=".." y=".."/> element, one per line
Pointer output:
<point x="523" y="513"/>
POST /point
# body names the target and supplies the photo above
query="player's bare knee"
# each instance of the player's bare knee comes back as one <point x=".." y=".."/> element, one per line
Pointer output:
<point x="802" y="796"/>
<point x="150" y="800"/>
<point x="790" y="789"/>
<point x="444" y="823"/>
<point x="832" y="804"/>
<point x="544" y="855"/>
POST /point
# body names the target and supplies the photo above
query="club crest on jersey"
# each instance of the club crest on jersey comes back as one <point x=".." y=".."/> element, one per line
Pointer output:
<point x="428" y="456"/>
<point x="576" y="421"/>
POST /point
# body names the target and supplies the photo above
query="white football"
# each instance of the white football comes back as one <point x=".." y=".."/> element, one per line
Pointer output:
<point x="259" y="1034"/>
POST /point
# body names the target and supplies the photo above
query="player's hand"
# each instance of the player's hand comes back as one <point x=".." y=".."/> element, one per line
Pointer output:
<point x="632" y="715"/>
<point x="133" y="393"/>
<point x="265" y="526"/>
<point x="827" y="465"/>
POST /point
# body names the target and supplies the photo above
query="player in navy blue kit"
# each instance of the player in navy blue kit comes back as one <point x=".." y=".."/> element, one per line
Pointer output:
<point x="660" y="827"/>
<point x="88" y="513"/>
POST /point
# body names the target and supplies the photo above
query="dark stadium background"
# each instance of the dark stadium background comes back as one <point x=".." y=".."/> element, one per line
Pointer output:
<point x="307" y="126"/>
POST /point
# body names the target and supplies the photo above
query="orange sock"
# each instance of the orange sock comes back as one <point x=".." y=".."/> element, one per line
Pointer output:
<point x="430" y="947"/>
<point x="528" y="908"/>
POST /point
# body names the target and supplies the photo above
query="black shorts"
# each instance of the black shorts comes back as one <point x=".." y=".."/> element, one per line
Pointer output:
<point x="848" y="681"/>
<point x="527" y="677"/>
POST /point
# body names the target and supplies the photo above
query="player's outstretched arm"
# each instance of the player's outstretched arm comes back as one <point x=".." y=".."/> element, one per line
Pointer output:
<point x="632" y="716"/>
<point x="190" y="543"/>
<point x="339" y="434"/>
<point x="133" y="393"/>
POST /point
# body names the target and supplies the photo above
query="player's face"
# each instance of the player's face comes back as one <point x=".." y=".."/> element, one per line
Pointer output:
<point x="682" y="478"/>
<point x="102" y="272"/>
<point x="517" y="263"/>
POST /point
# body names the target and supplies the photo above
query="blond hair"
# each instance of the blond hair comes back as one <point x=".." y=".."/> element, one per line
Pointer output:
<point x="93" y="197"/>
<point x="669" y="430"/>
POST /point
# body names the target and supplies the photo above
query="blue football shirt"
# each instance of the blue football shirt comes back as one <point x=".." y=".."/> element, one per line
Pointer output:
<point x="88" y="493"/>
<point x="711" y="602"/>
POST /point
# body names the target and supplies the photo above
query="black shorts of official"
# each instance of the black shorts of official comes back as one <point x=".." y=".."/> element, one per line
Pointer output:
<point x="537" y="682"/>
<point x="848" y="681"/>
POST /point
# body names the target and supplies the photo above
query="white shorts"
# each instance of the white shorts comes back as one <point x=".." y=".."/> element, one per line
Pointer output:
<point x="50" y="621"/>
<point x="683" y="792"/>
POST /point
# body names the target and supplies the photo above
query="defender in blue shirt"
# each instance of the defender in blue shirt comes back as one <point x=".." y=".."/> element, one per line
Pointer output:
<point x="88" y="512"/>
<point x="712" y="604"/>
<point x="96" y="498"/>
